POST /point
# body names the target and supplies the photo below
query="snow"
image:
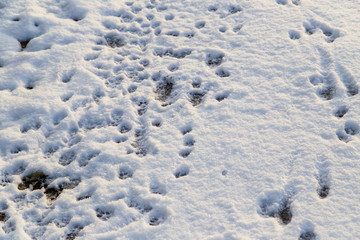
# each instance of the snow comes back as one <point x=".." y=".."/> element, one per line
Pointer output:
<point x="173" y="119"/>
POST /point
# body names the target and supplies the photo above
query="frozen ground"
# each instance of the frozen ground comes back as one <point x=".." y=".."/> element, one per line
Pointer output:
<point x="179" y="119"/>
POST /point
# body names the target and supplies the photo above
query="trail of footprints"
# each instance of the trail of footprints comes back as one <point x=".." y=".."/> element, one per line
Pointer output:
<point x="311" y="27"/>
<point x="328" y="87"/>
<point x="277" y="204"/>
<point x="117" y="59"/>
<point x="189" y="141"/>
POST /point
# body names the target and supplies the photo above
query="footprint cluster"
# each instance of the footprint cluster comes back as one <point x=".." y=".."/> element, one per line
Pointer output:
<point x="188" y="143"/>
<point x="328" y="86"/>
<point x="277" y="205"/>
<point x="312" y="26"/>
<point x="330" y="33"/>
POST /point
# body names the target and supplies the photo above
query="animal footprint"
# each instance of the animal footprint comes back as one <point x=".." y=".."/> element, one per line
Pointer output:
<point x="114" y="40"/>
<point x="277" y="205"/>
<point x="185" y="152"/>
<point x="234" y="9"/>
<point x="104" y="213"/>
<point x="294" y="35"/>
<point x="323" y="178"/>
<point x="200" y="24"/>
<point x="182" y="171"/>
<point x="9" y="226"/>
<point x="196" y="83"/>
<point x="116" y="116"/>
<point x="18" y="147"/>
<point x="164" y="89"/>
<point x="67" y="157"/>
<point x="87" y="156"/>
<point x="324" y="187"/>
<point x="135" y="200"/>
<point x="142" y="145"/>
<point x="59" y="116"/>
<point x="32" y="124"/>
<point x="74" y="232"/>
<point x="189" y="141"/>
<point x="214" y="58"/>
<point x="328" y="86"/>
<point x="350" y="128"/>
<point x="125" y="127"/>
<point x="307" y="235"/>
<point x="173" y="33"/>
<point x="125" y="172"/>
<point x="212" y="8"/>
<point x="186" y="129"/>
<point x="158" y="216"/>
<point x="282" y="2"/>
<point x="222" y="72"/>
<point x="158" y="188"/>
<point x="173" y="67"/>
<point x="221" y="96"/>
<point x="142" y="103"/>
<point x="196" y="97"/>
<point x="307" y="232"/>
<point x="67" y="76"/>
<point x="342" y="136"/>
<point x="341" y="111"/>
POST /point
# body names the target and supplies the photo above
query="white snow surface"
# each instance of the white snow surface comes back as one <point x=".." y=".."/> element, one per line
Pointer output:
<point x="174" y="119"/>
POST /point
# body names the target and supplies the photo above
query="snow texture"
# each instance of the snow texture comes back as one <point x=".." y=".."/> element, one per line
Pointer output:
<point x="171" y="119"/>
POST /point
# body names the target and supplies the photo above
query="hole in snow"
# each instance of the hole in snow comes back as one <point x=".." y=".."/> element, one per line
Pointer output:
<point x="294" y="35"/>
<point x="351" y="127"/>
<point x="200" y="24"/>
<point x="186" y="129"/>
<point x="222" y="72"/>
<point x="275" y="204"/>
<point x="196" y="97"/>
<point x="220" y="97"/>
<point x="341" y="111"/>
<point x="24" y="43"/>
<point x="125" y="172"/>
<point x="157" y="122"/>
<point x="67" y="157"/>
<point x="158" y="216"/>
<point x="234" y="9"/>
<point x="114" y="40"/>
<point x="307" y="235"/>
<point x="182" y="171"/>
<point x="189" y="140"/>
<point x="185" y="152"/>
<point x="342" y="136"/>
<point x="125" y="127"/>
<point x="212" y="8"/>
<point x="214" y="58"/>
<point x="104" y="213"/>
